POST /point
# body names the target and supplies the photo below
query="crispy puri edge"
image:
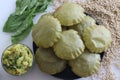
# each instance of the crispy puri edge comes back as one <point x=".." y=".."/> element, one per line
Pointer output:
<point x="91" y="47"/>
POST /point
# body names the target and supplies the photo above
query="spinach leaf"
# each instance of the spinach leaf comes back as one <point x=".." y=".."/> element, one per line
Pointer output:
<point x="21" y="6"/>
<point x="24" y="26"/>
<point x="32" y="4"/>
<point x="20" y="22"/>
<point x="26" y="23"/>
<point x="43" y="4"/>
<point x="41" y="8"/>
<point x="18" y="38"/>
<point x="14" y="21"/>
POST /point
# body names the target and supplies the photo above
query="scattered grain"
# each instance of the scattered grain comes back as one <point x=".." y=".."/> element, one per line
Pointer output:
<point x="107" y="12"/>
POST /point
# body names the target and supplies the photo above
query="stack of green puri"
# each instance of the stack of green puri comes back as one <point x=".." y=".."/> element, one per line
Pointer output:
<point x="70" y="46"/>
<point x="87" y="22"/>
<point x="97" y="39"/>
<point x="48" y="62"/>
<point x="79" y="42"/>
<point x="47" y="31"/>
<point x="86" y="64"/>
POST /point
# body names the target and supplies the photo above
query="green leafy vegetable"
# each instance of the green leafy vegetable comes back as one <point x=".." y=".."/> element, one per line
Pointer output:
<point x="32" y="4"/>
<point x="21" y="6"/>
<point x="18" y="38"/>
<point x="43" y="4"/>
<point x="23" y="31"/>
<point x="14" y="21"/>
<point x="20" y="22"/>
<point x="41" y="8"/>
<point x="26" y="23"/>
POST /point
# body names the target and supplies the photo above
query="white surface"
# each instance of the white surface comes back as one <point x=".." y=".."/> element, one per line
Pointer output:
<point x="6" y="8"/>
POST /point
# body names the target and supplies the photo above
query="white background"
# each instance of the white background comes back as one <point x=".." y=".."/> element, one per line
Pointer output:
<point x="6" y="8"/>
